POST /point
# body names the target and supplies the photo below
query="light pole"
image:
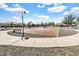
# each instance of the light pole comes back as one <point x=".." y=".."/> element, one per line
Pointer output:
<point x="22" y="25"/>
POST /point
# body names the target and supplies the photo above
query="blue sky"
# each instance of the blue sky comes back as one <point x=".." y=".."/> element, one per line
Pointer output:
<point x="37" y="12"/>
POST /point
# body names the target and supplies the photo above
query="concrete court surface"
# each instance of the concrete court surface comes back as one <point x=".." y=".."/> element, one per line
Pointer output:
<point x="6" y="39"/>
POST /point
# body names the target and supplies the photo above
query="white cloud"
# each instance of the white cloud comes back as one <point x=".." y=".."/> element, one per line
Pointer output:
<point x="15" y="19"/>
<point x="40" y="6"/>
<point x="66" y="13"/>
<point x="56" y="9"/>
<point x="47" y="3"/>
<point x="17" y="5"/>
<point x="17" y="10"/>
<point x="38" y="18"/>
<point x="2" y="5"/>
<point x="39" y="1"/>
<point x="75" y="10"/>
<point x="26" y="20"/>
<point x="57" y="4"/>
<point x="58" y="19"/>
<point x="43" y="18"/>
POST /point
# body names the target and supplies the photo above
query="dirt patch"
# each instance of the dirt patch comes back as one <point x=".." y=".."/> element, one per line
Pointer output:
<point x="38" y="32"/>
<point x="45" y="32"/>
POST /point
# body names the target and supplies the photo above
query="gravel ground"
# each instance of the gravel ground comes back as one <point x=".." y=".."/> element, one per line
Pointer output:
<point x="31" y="51"/>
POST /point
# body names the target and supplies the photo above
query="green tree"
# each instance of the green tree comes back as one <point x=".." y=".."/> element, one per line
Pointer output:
<point x="77" y="21"/>
<point x="12" y="24"/>
<point x="51" y="24"/>
<point x="68" y="20"/>
<point x="42" y="23"/>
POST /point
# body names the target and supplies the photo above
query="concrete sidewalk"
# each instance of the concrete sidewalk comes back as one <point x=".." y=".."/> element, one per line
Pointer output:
<point x="6" y="39"/>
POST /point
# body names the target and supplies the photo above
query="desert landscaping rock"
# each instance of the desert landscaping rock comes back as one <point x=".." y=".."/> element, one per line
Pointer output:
<point x="31" y="51"/>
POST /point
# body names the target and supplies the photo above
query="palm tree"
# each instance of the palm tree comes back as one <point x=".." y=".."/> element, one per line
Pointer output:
<point x="77" y="21"/>
<point x="68" y="20"/>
